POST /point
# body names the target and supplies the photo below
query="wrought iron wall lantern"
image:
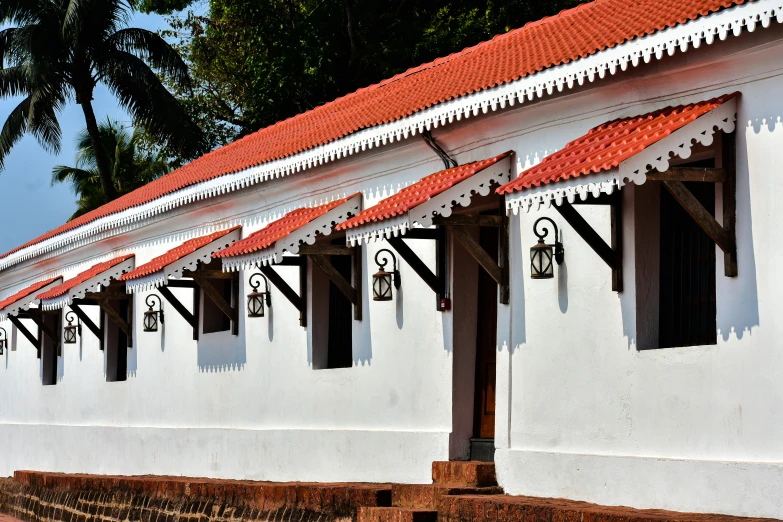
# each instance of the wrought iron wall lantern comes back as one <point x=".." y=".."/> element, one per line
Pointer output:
<point x="3" y="341"/>
<point x="256" y="299"/>
<point x="541" y="254"/>
<point x="151" y="316"/>
<point x="382" y="280"/>
<point x="71" y="330"/>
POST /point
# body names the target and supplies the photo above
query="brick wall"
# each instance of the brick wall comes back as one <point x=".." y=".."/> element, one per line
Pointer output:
<point x="51" y="497"/>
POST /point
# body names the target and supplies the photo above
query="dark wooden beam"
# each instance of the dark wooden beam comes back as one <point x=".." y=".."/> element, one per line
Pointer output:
<point x="86" y="321"/>
<point x="617" y="240"/>
<point x="587" y="233"/>
<point x="189" y="318"/>
<point x="469" y="220"/>
<point x="433" y="281"/>
<point x="700" y="214"/>
<point x="302" y="289"/>
<point x="179" y="283"/>
<point x="357" y="282"/>
<point x="477" y="252"/>
<point x="336" y="277"/>
<point x="689" y="174"/>
<point x="235" y="303"/>
<point x="729" y="164"/>
<point x="325" y="250"/>
<point x="292" y="261"/>
<point x="23" y="329"/>
<point x="285" y="289"/>
<point x="37" y="318"/>
<point x="504" y="247"/>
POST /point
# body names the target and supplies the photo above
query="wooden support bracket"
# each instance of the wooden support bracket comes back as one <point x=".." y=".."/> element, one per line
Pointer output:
<point x="497" y="271"/>
<point x="190" y="318"/>
<point x="352" y="292"/>
<point x="230" y="310"/>
<point x="86" y="321"/>
<point x="299" y="301"/>
<point x="125" y="325"/>
<point x="689" y="174"/>
<point x="611" y="255"/>
<point x="24" y="331"/>
<point x="435" y="280"/>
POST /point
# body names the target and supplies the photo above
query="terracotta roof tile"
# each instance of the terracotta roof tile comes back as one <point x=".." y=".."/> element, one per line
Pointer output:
<point x="421" y="191"/>
<point x="607" y="145"/>
<point x="277" y="230"/>
<point x="185" y="249"/>
<point x="30" y="290"/>
<point x="62" y="289"/>
<point x="563" y="38"/>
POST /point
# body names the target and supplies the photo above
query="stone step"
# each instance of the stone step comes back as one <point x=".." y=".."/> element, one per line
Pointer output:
<point x="396" y="514"/>
<point x="427" y="496"/>
<point x="470" y="473"/>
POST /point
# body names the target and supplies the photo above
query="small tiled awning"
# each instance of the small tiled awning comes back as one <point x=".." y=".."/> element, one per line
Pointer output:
<point x="22" y="300"/>
<point x="300" y="226"/>
<point x="186" y="256"/>
<point x="436" y="194"/>
<point x="618" y="151"/>
<point x="99" y="275"/>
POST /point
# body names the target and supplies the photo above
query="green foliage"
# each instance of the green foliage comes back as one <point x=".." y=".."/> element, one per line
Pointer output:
<point x="56" y="51"/>
<point x="255" y="62"/>
<point x="130" y="168"/>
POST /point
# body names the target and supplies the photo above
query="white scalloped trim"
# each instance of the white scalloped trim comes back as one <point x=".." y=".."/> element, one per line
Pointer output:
<point x="322" y="226"/>
<point x="558" y="78"/>
<point x="77" y="292"/>
<point x="461" y="194"/>
<point x="188" y="262"/>
<point x="25" y="302"/>
<point x="634" y="169"/>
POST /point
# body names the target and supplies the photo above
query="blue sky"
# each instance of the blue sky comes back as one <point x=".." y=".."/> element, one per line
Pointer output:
<point x="29" y="206"/>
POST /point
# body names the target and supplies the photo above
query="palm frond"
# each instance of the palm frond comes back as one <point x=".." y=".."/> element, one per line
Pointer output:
<point x="154" y="50"/>
<point x="152" y="106"/>
<point x="13" y="129"/>
<point x="14" y="81"/>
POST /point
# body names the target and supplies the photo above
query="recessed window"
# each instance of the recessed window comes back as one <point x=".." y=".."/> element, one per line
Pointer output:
<point x="116" y="344"/>
<point x="214" y="318"/>
<point x="340" y="344"/>
<point x="687" y="312"/>
<point x="49" y="350"/>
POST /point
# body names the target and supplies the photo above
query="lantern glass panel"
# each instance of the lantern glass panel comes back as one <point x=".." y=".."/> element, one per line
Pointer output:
<point x="541" y="266"/>
<point x="151" y="321"/>
<point x="255" y="304"/>
<point x="70" y="334"/>
<point x="382" y="286"/>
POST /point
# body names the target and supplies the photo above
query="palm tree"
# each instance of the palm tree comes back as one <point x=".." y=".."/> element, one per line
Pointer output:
<point x="128" y="167"/>
<point x="57" y="51"/>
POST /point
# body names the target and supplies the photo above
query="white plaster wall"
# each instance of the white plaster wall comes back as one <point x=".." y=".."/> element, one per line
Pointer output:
<point x="581" y="412"/>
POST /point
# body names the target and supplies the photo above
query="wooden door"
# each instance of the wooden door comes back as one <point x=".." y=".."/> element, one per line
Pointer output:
<point x="486" y="343"/>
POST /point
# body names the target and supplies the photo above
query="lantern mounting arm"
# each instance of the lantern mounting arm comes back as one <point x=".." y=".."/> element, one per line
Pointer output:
<point x="190" y="318"/>
<point x="24" y="331"/>
<point x="86" y="321"/>
<point x="353" y="292"/>
<point x="611" y="255"/>
<point x="299" y="301"/>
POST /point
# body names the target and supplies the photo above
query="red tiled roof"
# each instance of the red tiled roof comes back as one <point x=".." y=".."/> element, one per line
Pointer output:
<point x="606" y="146"/>
<point x="279" y="229"/>
<point x="30" y="290"/>
<point x="185" y="249"/>
<point x="563" y="38"/>
<point x="421" y="191"/>
<point x="62" y="289"/>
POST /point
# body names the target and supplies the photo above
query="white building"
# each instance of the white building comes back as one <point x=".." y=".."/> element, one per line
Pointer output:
<point x="646" y="372"/>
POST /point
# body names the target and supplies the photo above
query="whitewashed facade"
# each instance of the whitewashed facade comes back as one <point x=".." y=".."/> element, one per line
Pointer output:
<point x="582" y="411"/>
